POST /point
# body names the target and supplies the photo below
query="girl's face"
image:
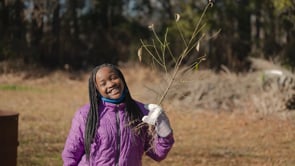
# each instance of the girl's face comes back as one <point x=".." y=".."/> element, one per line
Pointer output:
<point x="108" y="83"/>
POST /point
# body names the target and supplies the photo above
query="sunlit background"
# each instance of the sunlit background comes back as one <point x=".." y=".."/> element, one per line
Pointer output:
<point x="235" y="107"/>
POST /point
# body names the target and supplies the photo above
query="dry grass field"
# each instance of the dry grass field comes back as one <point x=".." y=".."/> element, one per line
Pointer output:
<point x="203" y="137"/>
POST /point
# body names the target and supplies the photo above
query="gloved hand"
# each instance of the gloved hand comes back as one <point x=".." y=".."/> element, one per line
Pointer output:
<point x="157" y="117"/>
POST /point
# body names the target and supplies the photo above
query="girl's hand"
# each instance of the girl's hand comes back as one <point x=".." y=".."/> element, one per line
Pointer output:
<point x="157" y="117"/>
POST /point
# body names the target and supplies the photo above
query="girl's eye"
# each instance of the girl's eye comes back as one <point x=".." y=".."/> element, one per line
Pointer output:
<point x="102" y="84"/>
<point x="114" y="77"/>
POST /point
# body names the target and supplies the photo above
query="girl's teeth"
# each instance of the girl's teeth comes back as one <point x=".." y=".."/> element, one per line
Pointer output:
<point x="114" y="91"/>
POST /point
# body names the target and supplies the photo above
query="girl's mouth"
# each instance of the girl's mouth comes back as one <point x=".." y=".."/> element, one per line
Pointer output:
<point x="114" y="91"/>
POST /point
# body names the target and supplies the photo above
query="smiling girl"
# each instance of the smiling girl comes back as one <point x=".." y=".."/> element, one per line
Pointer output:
<point x="105" y="132"/>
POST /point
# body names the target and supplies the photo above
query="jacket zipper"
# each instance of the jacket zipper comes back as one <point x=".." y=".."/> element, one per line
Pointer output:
<point x="118" y="137"/>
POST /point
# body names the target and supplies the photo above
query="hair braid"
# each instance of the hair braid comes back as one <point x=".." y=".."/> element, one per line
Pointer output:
<point x="92" y="117"/>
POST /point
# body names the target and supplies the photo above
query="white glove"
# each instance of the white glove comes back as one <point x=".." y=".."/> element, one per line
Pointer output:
<point x="157" y="117"/>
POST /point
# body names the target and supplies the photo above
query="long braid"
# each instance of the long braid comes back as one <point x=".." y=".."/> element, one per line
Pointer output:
<point x="133" y="111"/>
<point x="92" y="117"/>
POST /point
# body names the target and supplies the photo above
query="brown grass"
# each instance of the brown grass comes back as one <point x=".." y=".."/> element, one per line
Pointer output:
<point x="203" y="137"/>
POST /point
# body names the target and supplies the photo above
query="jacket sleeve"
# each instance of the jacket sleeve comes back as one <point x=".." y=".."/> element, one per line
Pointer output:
<point x="74" y="146"/>
<point x="160" y="147"/>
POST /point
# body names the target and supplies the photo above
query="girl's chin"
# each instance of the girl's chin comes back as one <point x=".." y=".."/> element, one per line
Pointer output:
<point x="117" y="96"/>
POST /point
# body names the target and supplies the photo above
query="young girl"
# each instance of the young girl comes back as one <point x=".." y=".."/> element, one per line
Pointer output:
<point x="109" y="130"/>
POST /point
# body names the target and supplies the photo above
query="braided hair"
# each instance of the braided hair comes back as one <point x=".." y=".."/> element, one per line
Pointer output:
<point x="133" y="111"/>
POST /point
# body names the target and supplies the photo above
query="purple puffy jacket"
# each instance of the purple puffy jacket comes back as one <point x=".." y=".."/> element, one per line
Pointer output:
<point x="114" y="143"/>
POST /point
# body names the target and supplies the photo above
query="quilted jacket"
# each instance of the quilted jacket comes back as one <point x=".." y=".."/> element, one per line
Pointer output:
<point x="114" y="144"/>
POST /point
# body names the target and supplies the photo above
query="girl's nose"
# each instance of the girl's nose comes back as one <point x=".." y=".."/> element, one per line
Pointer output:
<point x="110" y="84"/>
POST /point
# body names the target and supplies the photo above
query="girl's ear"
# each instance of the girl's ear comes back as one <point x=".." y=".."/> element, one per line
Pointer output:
<point x="95" y="85"/>
<point x="94" y="80"/>
<point x="97" y="91"/>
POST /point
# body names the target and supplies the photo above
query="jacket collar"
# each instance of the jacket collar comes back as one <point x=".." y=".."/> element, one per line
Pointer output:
<point x="112" y="105"/>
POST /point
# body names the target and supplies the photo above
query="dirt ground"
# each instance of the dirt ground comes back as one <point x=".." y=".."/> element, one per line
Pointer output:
<point x="207" y="131"/>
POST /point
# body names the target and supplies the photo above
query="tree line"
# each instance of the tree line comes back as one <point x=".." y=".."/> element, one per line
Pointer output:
<point x="82" y="33"/>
